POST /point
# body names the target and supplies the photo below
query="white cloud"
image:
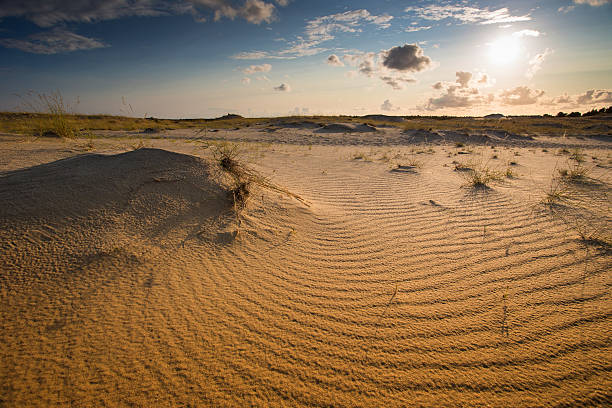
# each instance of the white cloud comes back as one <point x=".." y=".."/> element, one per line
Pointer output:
<point x="320" y="30"/>
<point x="283" y="88"/>
<point x="526" y="33"/>
<point x="565" y="9"/>
<point x="594" y="3"/>
<point x="246" y="81"/>
<point x="257" y="68"/>
<point x="463" y="93"/>
<point x="466" y="14"/>
<point x="585" y="100"/>
<point x="595" y="96"/>
<point x="415" y="29"/>
<point x="521" y="95"/>
<point x="257" y="11"/>
<point x="55" y="41"/>
<point x="333" y="60"/>
<point x="535" y="64"/>
<point x="250" y="55"/>
<point x="463" y="78"/>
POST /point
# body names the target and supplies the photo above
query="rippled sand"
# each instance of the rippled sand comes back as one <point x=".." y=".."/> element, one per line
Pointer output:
<point x="127" y="281"/>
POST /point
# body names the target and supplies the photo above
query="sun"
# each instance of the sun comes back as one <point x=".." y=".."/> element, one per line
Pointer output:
<point x="504" y="50"/>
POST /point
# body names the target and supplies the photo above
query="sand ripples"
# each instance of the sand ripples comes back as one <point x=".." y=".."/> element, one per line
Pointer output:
<point x="390" y="290"/>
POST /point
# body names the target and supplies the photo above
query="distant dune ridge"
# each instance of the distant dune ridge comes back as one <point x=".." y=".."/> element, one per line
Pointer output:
<point x="129" y="279"/>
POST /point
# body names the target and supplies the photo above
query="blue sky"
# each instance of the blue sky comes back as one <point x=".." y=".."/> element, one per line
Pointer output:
<point x="205" y="58"/>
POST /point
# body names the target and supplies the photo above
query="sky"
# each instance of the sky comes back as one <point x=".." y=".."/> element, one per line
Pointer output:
<point x="262" y="58"/>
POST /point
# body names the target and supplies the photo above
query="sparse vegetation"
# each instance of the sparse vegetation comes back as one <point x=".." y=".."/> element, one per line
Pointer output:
<point x="51" y="115"/>
<point x="581" y="203"/>
<point x="575" y="173"/>
<point x="478" y="174"/>
<point x="242" y="178"/>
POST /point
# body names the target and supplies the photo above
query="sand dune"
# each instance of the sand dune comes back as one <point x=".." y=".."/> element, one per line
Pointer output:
<point x="125" y="283"/>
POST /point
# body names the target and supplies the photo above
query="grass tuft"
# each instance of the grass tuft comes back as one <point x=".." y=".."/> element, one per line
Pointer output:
<point x="242" y="178"/>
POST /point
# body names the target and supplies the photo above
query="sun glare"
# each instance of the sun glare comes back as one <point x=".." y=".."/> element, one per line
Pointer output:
<point x="504" y="50"/>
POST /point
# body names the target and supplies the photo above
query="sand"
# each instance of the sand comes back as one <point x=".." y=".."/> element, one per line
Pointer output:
<point x="127" y="279"/>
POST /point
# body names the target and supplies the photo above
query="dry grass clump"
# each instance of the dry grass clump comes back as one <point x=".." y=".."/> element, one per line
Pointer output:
<point x="575" y="173"/>
<point x="478" y="174"/>
<point x="242" y="178"/>
<point x="557" y="194"/>
<point x="582" y="203"/>
<point x="52" y="115"/>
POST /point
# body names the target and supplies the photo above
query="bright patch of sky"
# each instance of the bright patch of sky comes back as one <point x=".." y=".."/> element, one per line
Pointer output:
<point x="206" y="58"/>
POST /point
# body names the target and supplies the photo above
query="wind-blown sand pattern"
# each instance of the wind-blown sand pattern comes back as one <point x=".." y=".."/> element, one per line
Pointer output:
<point x="126" y="280"/>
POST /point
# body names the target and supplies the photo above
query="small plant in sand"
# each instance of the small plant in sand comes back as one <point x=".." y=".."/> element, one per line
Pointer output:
<point x="242" y="178"/>
<point x="582" y="203"/>
<point x="53" y="114"/>
<point x="411" y="162"/>
<point x="478" y="174"/>
<point x="556" y="194"/>
<point x="577" y="156"/>
<point x="575" y="173"/>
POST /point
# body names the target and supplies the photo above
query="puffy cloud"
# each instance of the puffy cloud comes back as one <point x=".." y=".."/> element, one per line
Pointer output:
<point x="55" y="41"/>
<point x="282" y="3"/>
<point x="595" y="96"/>
<point x="406" y="58"/>
<point x="390" y="65"/>
<point x="585" y="100"/>
<point x="246" y="81"/>
<point x="535" y="64"/>
<point x="466" y="14"/>
<point x="257" y="68"/>
<point x="334" y="61"/>
<point x="521" y="95"/>
<point x="283" y="88"/>
<point x="564" y="99"/>
<point x="388" y="106"/>
<point x="484" y="80"/>
<point x="257" y="11"/>
<point x="463" y="78"/>
<point x="463" y="93"/>
<point x="594" y="3"/>
<point x="457" y="97"/>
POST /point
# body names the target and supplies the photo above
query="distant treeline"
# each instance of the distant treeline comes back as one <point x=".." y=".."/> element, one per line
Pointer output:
<point x="592" y="112"/>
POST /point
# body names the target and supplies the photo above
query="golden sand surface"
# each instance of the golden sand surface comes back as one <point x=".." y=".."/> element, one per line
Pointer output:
<point x="126" y="279"/>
